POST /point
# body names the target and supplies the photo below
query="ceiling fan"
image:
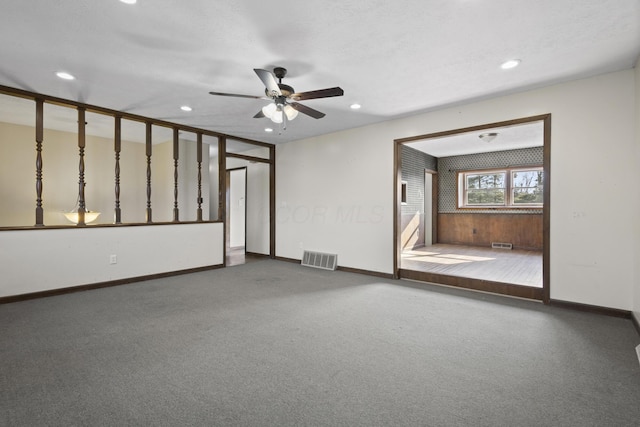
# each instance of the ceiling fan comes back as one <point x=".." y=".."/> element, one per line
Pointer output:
<point x="284" y="106"/>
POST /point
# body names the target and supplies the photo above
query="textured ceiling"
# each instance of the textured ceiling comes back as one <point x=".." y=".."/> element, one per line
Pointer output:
<point x="507" y="138"/>
<point x="394" y="58"/>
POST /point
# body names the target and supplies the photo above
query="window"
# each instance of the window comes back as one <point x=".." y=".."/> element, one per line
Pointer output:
<point x="485" y="189"/>
<point x="501" y="188"/>
<point x="526" y="187"/>
<point x="403" y="193"/>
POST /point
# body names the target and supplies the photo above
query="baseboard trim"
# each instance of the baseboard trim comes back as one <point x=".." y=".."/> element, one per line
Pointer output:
<point x="499" y="288"/>
<point x="256" y="254"/>
<point x="293" y="260"/>
<point x="345" y="269"/>
<point x="366" y="272"/>
<point x="92" y="286"/>
<point x="613" y="312"/>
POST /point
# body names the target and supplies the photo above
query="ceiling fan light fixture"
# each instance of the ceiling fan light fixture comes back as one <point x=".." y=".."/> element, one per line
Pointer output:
<point x="285" y="106"/>
<point x="269" y="109"/>
<point x="291" y="112"/>
<point x="277" y="116"/>
<point x="488" y="136"/>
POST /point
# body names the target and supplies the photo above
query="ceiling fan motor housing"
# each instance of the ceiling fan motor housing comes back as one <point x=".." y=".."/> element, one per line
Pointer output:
<point x="286" y="90"/>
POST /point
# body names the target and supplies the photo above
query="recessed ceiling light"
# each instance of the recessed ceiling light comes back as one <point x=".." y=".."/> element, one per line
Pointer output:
<point x="65" y="75"/>
<point x="512" y="63"/>
<point x="268" y="130"/>
<point x="355" y="106"/>
<point x="129" y="1"/>
<point x="186" y="108"/>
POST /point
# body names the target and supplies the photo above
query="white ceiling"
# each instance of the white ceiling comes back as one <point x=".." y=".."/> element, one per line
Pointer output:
<point x="508" y="138"/>
<point x="394" y="58"/>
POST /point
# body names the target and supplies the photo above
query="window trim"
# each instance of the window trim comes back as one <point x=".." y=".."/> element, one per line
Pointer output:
<point x="461" y="182"/>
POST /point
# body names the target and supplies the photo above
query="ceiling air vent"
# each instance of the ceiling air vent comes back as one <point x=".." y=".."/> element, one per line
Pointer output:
<point x="320" y="260"/>
<point x="499" y="245"/>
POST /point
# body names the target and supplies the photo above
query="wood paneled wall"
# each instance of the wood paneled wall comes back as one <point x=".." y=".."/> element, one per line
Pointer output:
<point x="524" y="231"/>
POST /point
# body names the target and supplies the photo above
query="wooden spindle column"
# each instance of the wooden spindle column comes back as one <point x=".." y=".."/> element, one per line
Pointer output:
<point x="39" y="139"/>
<point x="148" y="152"/>
<point x="176" y="156"/>
<point x="199" y="160"/>
<point x="117" y="146"/>
<point x="81" y="183"/>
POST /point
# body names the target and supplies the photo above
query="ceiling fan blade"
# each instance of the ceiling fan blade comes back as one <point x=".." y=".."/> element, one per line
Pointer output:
<point x="321" y="93"/>
<point x="269" y="81"/>
<point x="308" y="111"/>
<point x="259" y="115"/>
<point x="238" y="95"/>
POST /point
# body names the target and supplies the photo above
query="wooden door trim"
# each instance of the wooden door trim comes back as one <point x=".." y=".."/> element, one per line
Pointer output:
<point x="542" y="293"/>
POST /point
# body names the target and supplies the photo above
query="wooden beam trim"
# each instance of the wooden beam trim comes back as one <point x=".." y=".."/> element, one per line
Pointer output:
<point x="272" y="202"/>
<point x="546" y="211"/>
<point x="540" y="117"/>
<point x="132" y="224"/>
<point x="129" y="116"/>
<point x="249" y="158"/>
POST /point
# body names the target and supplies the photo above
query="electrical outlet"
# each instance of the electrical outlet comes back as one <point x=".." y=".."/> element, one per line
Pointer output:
<point x="113" y="259"/>
<point x="638" y="352"/>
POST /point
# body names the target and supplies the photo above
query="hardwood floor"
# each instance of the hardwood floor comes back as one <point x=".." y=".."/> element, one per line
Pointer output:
<point x="517" y="267"/>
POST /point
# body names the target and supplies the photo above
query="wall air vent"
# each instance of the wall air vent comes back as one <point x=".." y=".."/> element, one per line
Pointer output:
<point x="320" y="260"/>
<point x="498" y="245"/>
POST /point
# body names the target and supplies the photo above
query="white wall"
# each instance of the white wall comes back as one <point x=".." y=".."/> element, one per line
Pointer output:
<point x="38" y="260"/>
<point x="335" y="192"/>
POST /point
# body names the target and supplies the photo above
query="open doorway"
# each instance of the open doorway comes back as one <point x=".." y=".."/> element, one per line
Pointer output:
<point x="486" y="216"/>
<point x="249" y="202"/>
<point x="236" y="215"/>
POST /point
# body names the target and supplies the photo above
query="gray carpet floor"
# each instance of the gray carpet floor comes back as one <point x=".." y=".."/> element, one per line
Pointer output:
<point x="275" y="344"/>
